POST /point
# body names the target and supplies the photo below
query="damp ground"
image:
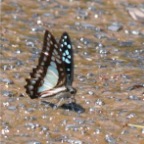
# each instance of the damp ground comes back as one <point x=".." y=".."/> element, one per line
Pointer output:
<point x="108" y="43"/>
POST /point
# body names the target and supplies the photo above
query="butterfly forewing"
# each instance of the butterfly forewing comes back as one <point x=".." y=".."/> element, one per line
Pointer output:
<point x="50" y="72"/>
<point x="67" y="56"/>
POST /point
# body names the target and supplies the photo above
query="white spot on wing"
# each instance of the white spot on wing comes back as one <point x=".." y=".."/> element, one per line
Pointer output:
<point x="64" y="54"/>
<point x="51" y="42"/>
<point x="46" y="53"/>
<point x="55" y="52"/>
<point x="68" y="69"/>
<point x="49" y="35"/>
<point x="69" y="56"/>
<point x="45" y="58"/>
<point x="53" y="58"/>
<point x="65" y="43"/>
<point x="63" y="58"/>
<point x="58" y="61"/>
<point x="55" y="45"/>
<point x="69" y="46"/>
<point x="67" y="61"/>
<point x="48" y="44"/>
<point x="67" y="52"/>
<point x="65" y="37"/>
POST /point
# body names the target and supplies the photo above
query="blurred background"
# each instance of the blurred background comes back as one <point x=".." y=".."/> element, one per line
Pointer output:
<point x="108" y="42"/>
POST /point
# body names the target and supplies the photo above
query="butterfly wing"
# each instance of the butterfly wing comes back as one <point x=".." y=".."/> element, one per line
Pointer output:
<point x="49" y="73"/>
<point x="67" y="57"/>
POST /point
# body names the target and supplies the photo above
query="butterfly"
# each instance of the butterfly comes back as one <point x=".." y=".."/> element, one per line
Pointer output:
<point x="53" y="75"/>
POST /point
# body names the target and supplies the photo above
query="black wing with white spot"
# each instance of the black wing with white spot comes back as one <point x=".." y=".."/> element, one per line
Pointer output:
<point x="49" y="77"/>
<point x="67" y="57"/>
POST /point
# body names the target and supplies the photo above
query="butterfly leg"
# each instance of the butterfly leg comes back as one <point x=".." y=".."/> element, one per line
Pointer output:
<point x="63" y="97"/>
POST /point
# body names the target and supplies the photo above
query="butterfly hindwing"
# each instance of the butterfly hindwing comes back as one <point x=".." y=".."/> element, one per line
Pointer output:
<point x="67" y="56"/>
<point x="50" y="72"/>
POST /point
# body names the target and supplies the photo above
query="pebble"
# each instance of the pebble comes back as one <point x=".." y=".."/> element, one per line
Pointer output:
<point x="12" y="108"/>
<point x="110" y="139"/>
<point x="7" y="93"/>
<point x="7" y="81"/>
<point x="88" y="26"/>
<point x="31" y="125"/>
<point x="33" y="142"/>
<point x="30" y="43"/>
<point x="18" y="51"/>
<point x="81" y="78"/>
<point x="97" y="131"/>
<point x="131" y="115"/>
<point x="133" y="97"/>
<point x="37" y="29"/>
<point x="143" y="131"/>
<point x="8" y="67"/>
<point x="135" y="32"/>
<point x="70" y="141"/>
<point x="48" y="15"/>
<point x="90" y="75"/>
<point x="82" y="14"/>
<point x="90" y="92"/>
<point x="30" y="118"/>
<point x="72" y="127"/>
<point x="44" y="129"/>
<point x="115" y="26"/>
<point x="85" y="41"/>
<point x="126" y="43"/>
<point x="100" y="35"/>
<point x="19" y="63"/>
<point x="99" y="102"/>
<point x="17" y="76"/>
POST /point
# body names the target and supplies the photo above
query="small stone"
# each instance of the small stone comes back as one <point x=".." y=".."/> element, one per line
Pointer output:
<point x="126" y="43"/>
<point x="115" y="26"/>
<point x="135" y="32"/>
<point x="8" y="67"/>
<point x="133" y="97"/>
<point x="74" y="141"/>
<point x="82" y="78"/>
<point x="142" y="131"/>
<point x="12" y="108"/>
<point x="82" y="14"/>
<point x="17" y="75"/>
<point x="7" y="93"/>
<point x="131" y="116"/>
<point x="37" y="29"/>
<point x="110" y="139"/>
<point x="97" y="131"/>
<point x="99" y="102"/>
<point x="90" y="92"/>
<point x="18" y="51"/>
<point x="33" y="142"/>
<point x="85" y="41"/>
<point x="19" y="63"/>
<point x="88" y="26"/>
<point x="31" y="125"/>
<point x="30" y="43"/>
<point x="7" y="81"/>
<point x="44" y="129"/>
